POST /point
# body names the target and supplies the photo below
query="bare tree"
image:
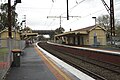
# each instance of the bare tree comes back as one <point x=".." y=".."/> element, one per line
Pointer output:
<point x="118" y="29"/>
<point x="104" y="21"/>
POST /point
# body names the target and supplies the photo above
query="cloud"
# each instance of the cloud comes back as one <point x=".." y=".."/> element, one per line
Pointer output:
<point x="36" y="12"/>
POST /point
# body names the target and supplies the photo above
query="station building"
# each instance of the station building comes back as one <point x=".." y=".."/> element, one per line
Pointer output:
<point x="92" y="35"/>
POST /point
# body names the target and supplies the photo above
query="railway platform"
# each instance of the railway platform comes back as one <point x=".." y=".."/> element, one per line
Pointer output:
<point x="35" y="66"/>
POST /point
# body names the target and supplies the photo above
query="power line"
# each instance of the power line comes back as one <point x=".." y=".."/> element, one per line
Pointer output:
<point x="77" y="3"/>
<point x="51" y="22"/>
<point x="53" y="1"/>
<point x="73" y="6"/>
<point x="50" y="12"/>
<point x="86" y="16"/>
<point x="37" y="8"/>
<point x="60" y="17"/>
<point x="106" y="6"/>
<point x="117" y="3"/>
<point x="51" y="9"/>
<point x="92" y="13"/>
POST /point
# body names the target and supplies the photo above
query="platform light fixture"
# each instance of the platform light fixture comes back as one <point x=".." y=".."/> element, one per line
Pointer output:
<point x="95" y="20"/>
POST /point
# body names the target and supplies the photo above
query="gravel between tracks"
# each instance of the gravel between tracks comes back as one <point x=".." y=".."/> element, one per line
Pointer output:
<point x="81" y="61"/>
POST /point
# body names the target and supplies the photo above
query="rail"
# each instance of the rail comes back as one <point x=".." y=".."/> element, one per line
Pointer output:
<point x="89" y="49"/>
<point x="67" y="55"/>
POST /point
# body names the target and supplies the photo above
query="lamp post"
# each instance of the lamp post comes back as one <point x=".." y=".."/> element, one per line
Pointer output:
<point x="95" y="20"/>
<point x="95" y="34"/>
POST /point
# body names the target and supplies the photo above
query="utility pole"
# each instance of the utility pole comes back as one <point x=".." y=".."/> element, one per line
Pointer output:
<point x="112" y="23"/>
<point x="67" y="11"/>
<point x="61" y="17"/>
<point x="9" y="19"/>
<point x="9" y="16"/>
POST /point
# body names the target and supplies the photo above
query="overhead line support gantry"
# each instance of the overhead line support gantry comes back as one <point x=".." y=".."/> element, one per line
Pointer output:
<point x="111" y="13"/>
<point x="61" y="17"/>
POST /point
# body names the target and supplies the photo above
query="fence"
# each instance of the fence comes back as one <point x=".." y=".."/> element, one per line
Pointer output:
<point x="6" y="57"/>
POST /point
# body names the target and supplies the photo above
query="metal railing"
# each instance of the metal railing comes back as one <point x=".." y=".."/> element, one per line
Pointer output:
<point x="6" y="57"/>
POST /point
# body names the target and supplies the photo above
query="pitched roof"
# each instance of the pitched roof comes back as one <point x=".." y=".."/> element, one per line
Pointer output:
<point x="85" y="29"/>
<point x="89" y="28"/>
<point x="82" y="31"/>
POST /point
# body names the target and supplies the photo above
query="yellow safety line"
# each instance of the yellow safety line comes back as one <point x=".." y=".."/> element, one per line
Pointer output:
<point x="53" y="65"/>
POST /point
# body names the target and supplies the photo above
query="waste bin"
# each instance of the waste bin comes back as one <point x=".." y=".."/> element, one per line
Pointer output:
<point x="16" y="57"/>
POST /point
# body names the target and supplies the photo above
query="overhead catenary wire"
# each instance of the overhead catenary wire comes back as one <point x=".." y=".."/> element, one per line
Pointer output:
<point x="117" y="3"/>
<point x="106" y="6"/>
<point x="51" y="23"/>
<point x="92" y="14"/>
<point x="37" y="8"/>
<point x="50" y="9"/>
<point x="86" y="16"/>
<point x="49" y="13"/>
<point x="77" y="3"/>
<point x="53" y="1"/>
<point x="53" y="9"/>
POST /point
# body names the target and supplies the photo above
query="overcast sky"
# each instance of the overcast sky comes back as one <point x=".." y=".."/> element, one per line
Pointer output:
<point x="36" y="12"/>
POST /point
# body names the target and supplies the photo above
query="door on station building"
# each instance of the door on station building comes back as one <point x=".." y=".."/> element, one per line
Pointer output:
<point x="81" y="41"/>
<point x="78" y="38"/>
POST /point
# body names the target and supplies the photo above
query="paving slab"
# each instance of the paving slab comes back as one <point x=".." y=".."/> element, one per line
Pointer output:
<point x="32" y="68"/>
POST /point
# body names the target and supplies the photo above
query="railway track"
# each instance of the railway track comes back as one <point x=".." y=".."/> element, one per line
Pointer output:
<point x="96" y="69"/>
